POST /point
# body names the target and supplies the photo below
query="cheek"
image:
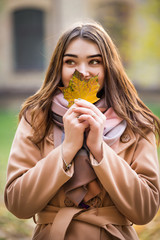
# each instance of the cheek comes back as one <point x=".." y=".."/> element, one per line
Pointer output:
<point x="66" y="75"/>
<point x="63" y="76"/>
<point x="101" y="80"/>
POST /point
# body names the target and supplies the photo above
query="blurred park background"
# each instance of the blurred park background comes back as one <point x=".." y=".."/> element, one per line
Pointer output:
<point x="29" y="30"/>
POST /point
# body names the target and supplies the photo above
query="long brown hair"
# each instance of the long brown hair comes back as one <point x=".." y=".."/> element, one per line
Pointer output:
<point x="120" y="93"/>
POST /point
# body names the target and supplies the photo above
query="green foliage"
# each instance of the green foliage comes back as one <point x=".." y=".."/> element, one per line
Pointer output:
<point x="2" y="5"/>
<point x="145" y="43"/>
<point x="8" y="124"/>
<point x="146" y="31"/>
<point x="11" y="227"/>
<point x="155" y="108"/>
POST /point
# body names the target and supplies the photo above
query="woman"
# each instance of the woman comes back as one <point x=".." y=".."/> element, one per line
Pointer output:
<point x="89" y="171"/>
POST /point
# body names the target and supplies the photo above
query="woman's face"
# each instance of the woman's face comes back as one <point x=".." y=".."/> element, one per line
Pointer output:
<point x="83" y="55"/>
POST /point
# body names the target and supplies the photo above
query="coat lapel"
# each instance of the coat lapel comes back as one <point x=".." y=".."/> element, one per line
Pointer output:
<point x="125" y="141"/>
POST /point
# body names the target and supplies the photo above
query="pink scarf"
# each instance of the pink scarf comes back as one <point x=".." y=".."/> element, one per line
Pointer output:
<point x="83" y="185"/>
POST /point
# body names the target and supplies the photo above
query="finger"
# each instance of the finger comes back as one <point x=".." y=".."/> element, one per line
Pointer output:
<point x="70" y="117"/>
<point x="91" y="120"/>
<point x="71" y="109"/>
<point x="70" y="113"/>
<point x="86" y="104"/>
<point x="82" y="110"/>
<point x="84" y="124"/>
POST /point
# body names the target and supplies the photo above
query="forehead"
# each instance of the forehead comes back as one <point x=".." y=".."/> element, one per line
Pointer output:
<point x="82" y="46"/>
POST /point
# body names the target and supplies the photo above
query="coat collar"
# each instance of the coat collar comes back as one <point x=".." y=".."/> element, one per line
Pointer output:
<point x="125" y="141"/>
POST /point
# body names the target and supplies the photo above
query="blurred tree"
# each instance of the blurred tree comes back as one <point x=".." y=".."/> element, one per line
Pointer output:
<point x="116" y="17"/>
<point x="2" y="2"/>
<point x="145" y="50"/>
<point x="135" y="28"/>
<point x="147" y="15"/>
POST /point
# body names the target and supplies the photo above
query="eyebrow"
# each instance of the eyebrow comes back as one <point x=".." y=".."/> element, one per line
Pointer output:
<point x="95" y="55"/>
<point x="70" y="55"/>
<point x="75" y="56"/>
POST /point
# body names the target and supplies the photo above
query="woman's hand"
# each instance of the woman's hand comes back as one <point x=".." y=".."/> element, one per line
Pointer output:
<point x="74" y="133"/>
<point x="95" y="118"/>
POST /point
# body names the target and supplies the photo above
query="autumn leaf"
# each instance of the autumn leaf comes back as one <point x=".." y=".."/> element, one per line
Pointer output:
<point x="80" y="87"/>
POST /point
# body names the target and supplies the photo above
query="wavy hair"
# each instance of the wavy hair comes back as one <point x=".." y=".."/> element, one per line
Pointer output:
<point x="120" y="93"/>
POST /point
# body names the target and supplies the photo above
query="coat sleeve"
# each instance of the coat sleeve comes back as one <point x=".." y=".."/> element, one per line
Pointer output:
<point x="32" y="180"/>
<point x="134" y="188"/>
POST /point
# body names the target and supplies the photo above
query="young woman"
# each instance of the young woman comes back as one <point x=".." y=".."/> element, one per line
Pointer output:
<point x="89" y="171"/>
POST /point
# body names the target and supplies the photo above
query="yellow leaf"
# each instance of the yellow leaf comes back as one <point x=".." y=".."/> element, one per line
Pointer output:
<point x="81" y="88"/>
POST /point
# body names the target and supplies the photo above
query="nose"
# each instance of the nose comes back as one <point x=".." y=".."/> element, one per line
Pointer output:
<point x="84" y="70"/>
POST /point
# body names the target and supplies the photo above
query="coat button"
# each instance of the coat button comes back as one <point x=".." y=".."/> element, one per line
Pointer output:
<point x="68" y="202"/>
<point x="125" y="138"/>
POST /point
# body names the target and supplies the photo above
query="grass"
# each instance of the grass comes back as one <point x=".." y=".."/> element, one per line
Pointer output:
<point x="13" y="228"/>
<point x="10" y="227"/>
<point x="8" y="124"/>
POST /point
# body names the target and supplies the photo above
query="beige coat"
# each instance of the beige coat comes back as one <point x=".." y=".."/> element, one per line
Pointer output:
<point x="128" y="174"/>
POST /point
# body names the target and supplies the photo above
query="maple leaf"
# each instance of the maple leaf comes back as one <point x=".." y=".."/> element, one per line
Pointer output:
<point x="80" y="87"/>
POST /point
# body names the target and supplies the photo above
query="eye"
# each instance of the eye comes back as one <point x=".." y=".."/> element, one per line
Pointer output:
<point x="70" y="62"/>
<point x="94" y="61"/>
